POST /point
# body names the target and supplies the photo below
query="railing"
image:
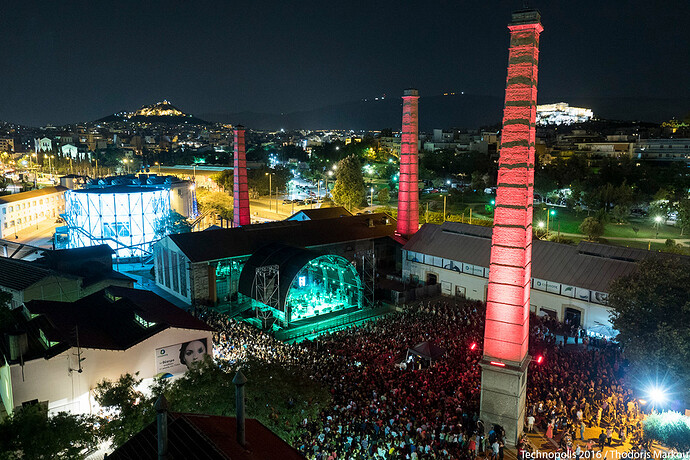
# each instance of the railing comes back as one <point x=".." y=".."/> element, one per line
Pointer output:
<point x="337" y="322"/>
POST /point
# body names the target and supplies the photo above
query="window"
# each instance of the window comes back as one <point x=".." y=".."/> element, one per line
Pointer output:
<point x="142" y="322"/>
<point x="44" y="340"/>
<point x="115" y="229"/>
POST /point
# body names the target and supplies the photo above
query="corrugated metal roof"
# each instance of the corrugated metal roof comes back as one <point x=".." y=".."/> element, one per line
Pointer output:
<point x="587" y="265"/>
<point x="241" y="241"/>
<point x="19" y="275"/>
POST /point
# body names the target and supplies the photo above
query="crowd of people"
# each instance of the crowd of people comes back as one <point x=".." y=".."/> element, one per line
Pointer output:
<point x="578" y="388"/>
<point x="383" y="410"/>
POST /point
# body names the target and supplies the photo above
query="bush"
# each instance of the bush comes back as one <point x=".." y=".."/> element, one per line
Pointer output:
<point x="672" y="429"/>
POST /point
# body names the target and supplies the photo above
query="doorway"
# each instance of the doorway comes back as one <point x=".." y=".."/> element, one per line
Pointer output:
<point x="573" y="316"/>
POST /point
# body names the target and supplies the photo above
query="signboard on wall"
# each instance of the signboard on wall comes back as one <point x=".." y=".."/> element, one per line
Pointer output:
<point x="176" y="359"/>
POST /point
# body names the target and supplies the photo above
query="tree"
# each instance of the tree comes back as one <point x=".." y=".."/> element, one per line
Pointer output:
<point x="218" y="202"/>
<point x="31" y="433"/>
<point x="129" y="409"/>
<point x="672" y="429"/>
<point x="620" y="213"/>
<point x="173" y="223"/>
<point x="384" y="196"/>
<point x="224" y="179"/>
<point x="651" y="311"/>
<point x="349" y="184"/>
<point x="683" y="209"/>
<point x="7" y="319"/>
<point x="592" y="227"/>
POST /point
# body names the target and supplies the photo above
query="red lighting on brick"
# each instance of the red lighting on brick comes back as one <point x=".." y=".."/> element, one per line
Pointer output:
<point x="497" y="363"/>
<point x="408" y="192"/>
<point x="240" y="189"/>
<point x="507" y="309"/>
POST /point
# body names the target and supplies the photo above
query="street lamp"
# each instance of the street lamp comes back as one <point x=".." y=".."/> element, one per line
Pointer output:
<point x="269" y="191"/>
<point x="657" y="223"/>
<point x="330" y="174"/>
<point x="372" y="196"/>
<point x="159" y="167"/>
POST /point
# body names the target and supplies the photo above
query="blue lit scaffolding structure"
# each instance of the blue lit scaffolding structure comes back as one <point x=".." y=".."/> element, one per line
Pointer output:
<point x="127" y="218"/>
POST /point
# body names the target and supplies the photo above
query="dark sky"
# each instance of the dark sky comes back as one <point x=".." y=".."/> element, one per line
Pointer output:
<point x="68" y="61"/>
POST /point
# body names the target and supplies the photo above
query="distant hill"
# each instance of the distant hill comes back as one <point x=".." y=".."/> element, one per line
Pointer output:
<point x="160" y="112"/>
<point x="458" y="111"/>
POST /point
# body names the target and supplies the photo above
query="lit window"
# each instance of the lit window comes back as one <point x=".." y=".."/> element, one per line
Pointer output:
<point x="142" y="322"/>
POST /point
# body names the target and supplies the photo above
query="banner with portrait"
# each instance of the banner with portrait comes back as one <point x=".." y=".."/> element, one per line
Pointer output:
<point x="178" y="358"/>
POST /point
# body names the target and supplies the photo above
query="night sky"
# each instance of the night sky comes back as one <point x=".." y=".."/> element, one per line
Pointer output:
<point x="80" y="60"/>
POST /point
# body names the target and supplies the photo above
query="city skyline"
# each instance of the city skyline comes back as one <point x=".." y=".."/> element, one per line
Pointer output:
<point x="82" y="64"/>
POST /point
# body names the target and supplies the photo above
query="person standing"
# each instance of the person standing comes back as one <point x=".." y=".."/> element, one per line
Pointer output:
<point x="530" y="423"/>
<point x="609" y="436"/>
<point x="602" y="440"/>
<point x="582" y="430"/>
<point x="549" y="431"/>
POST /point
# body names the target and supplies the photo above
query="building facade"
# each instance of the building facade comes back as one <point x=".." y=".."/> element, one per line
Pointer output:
<point x="70" y="347"/>
<point x="20" y="211"/>
<point x="568" y="282"/>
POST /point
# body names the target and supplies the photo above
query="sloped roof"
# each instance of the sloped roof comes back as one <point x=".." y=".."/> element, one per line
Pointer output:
<point x="587" y="265"/>
<point x="105" y="319"/>
<point x="322" y="213"/>
<point x="206" y="437"/>
<point x="19" y="275"/>
<point x="241" y="241"/>
<point x="32" y="194"/>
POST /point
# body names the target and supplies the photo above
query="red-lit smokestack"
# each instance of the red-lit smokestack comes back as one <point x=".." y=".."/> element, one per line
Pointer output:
<point x="506" y="334"/>
<point x="408" y="193"/>
<point x="510" y="271"/>
<point x="240" y="190"/>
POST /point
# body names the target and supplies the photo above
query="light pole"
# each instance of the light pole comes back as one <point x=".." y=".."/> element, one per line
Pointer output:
<point x="444" y="207"/>
<point x="330" y="174"/>
<point x="159" y="167"/>
<point x="657" y="223"/>
<point x="372" y="197"/>
<point x="269" y="190"/>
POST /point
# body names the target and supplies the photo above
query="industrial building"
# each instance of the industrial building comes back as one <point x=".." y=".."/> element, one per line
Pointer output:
<point x="60" y="351"/>
<point x="279" y="265"/>
<point x="568" y="282"/>
<point x="20" y="211"/>
<point x="128" y="213"/>
<point x="61" y="275"/>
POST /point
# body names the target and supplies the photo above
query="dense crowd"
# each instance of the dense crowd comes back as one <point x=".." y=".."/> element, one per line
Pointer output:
<point x="579" y="388"/>
<point x="385" y="407"/>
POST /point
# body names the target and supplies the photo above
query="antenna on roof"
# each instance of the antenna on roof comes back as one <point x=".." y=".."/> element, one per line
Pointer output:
<point x="79" y="369"/>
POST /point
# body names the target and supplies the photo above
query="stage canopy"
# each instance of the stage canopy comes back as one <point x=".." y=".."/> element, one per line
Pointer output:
<point x="296" y="283"/>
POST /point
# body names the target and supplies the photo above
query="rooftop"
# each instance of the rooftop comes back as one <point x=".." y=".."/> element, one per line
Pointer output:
<point x="241" y="241"/>
<point x="32" y="194"/>
<point x="206" y="437"/>
<point x="107" y="320"/>
<point x="587" y="265"/>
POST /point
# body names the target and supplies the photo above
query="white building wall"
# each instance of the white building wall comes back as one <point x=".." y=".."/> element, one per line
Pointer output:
<point x="474" y="287"/>
<point x="172" y="270"/>
<point x="18" y="215"/>
<point x="52" y="381"/>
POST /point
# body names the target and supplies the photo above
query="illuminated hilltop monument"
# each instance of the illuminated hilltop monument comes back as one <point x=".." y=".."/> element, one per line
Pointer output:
<point x="561" y="113"/>
<point x="408" y="194"/>
<point x="505" y="361"/>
